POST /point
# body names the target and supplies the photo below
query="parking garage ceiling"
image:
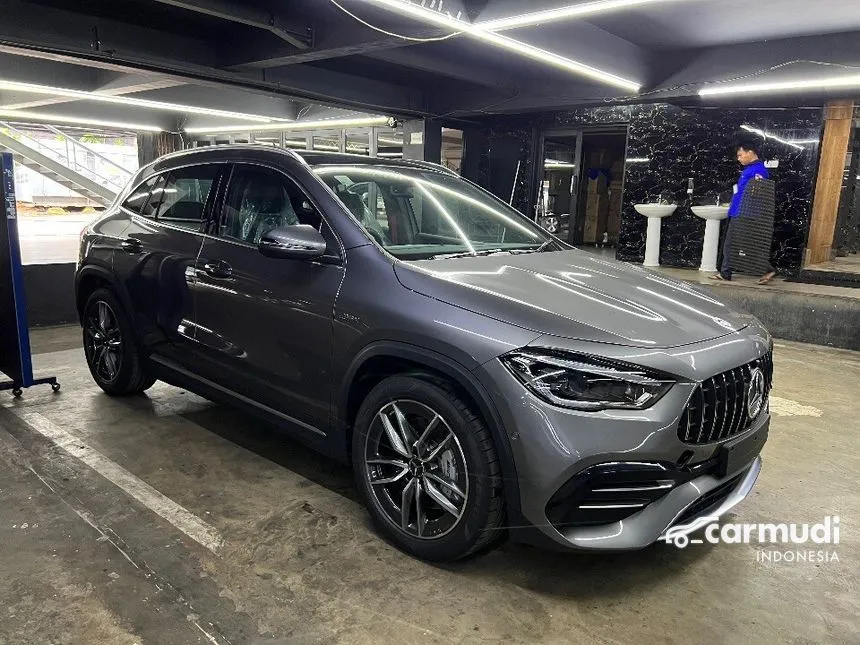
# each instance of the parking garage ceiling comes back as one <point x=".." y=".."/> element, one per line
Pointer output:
<point x="317" y="59"/>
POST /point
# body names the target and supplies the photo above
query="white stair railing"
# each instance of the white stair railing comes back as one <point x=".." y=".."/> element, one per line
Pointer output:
<point x="68" y="156"/>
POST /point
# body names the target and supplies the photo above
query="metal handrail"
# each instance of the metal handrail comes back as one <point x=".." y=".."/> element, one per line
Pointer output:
<point x="68" y="160"/>
<point x="89" y="150"/>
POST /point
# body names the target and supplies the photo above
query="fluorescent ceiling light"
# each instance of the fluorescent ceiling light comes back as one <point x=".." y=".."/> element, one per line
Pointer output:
<point x="30" y="88"/>
<point x="392" y="155"/>
<point x="561" y="13"/>
<point x="638" y="160"/>
<point x="327" y="124"/>
<point x="529" y="51"/>
<point x="831" y="83"/>
<point x="554" y="163"/>
<point x="26" y="115"/>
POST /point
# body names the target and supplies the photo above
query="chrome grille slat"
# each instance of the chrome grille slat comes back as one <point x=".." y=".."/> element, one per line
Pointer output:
<point x="731" y="402"/>
<point x="712" y="408"/>
<point x="709" y="409"/>
<point x="701" y="413"/>
<point x="717" y="408"/>
<point x="738" y="400"/>
<point x="724" y="399"/>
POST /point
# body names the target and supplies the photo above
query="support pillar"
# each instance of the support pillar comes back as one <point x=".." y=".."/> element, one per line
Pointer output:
<point x="151" y="146"/>
<point x="422" y="140"/>
<point x="828" y="188"/>
<point x="475" y="147"/>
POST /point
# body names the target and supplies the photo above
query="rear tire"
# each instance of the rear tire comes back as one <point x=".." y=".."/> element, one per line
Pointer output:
<point x="411" y="438"/>
<point x="111" y="349"/>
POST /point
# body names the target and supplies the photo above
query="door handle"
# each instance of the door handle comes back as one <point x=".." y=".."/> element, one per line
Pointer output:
<point x="131" y="245"/>
<point x="218" y="269"/>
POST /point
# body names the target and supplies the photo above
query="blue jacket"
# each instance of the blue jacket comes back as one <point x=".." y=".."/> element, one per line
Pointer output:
<point x="749" y="173"/>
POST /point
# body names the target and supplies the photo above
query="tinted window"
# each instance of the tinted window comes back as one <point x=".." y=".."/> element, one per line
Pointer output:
<point x="260" y="199"/>
<point x="137" y="201"/>
<point x="182" y="200"/>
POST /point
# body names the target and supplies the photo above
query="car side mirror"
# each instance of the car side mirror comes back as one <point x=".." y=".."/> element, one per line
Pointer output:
<point x="297" y="242"/>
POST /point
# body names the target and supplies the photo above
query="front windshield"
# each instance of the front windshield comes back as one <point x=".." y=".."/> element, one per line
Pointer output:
<point x="419" y="214"/>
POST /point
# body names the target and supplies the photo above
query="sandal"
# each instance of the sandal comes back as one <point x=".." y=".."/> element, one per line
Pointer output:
<point x="717" y="276"/>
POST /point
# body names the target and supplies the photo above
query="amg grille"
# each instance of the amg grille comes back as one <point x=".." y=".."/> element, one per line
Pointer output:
<point x="718" y="408"/>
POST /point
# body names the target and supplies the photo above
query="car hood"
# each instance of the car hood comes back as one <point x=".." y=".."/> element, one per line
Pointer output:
<point x="575" y="294"/>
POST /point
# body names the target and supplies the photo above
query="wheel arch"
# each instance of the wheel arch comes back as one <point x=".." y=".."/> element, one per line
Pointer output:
<point x="403" y="358"/>
<point x="92" y="277"/>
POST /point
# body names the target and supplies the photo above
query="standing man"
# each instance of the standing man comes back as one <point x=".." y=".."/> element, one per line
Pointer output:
<point x="754" y="169"/>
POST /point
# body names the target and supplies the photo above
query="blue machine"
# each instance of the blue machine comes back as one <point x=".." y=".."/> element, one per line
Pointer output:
<point x="15" y="358"/>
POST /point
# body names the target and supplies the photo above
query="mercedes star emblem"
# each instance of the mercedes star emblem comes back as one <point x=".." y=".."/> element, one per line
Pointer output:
<point x="755" y="393"/>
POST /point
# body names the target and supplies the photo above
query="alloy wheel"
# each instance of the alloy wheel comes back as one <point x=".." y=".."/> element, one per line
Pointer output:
<point x="104" y="341"/>
<point x="416" y="469"/>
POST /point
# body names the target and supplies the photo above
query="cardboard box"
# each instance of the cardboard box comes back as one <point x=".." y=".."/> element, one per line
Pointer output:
<point x="597" y="185"/>
<point x="613" y="222"/>
<point x="596" y="216"/>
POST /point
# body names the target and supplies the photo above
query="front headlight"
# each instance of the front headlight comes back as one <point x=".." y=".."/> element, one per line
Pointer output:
<point x="586" y="382"/>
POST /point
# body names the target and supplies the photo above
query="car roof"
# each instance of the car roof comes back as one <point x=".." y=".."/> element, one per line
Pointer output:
<point x="258" y="152"/>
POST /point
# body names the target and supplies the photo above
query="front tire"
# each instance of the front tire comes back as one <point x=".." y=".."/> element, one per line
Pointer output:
<point x="110" y="347"/>
<point x="427" y="468"/>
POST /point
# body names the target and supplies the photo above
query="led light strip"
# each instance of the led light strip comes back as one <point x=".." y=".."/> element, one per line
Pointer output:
<point x="766" y="135"/>
<point x="47" y="90"/>
<point x="836" y="82"/>
<point x="26" y="115"/>
<point x="529" y="51"/>
<point x="554" y="163"/>
<point x="562" y="13"/>
<point x="295" y="125"/>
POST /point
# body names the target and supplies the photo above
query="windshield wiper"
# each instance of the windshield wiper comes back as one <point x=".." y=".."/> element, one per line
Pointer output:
<point x="539" y="249"/>
<point x="467" y="254"/>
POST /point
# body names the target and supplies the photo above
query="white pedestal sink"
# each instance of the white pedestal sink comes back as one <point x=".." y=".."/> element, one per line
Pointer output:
<point x="712" y="216"/>
<point x="655" y="214"/>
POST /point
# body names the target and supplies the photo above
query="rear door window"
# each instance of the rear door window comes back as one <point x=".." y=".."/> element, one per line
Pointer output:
<point x="181" y="200"/>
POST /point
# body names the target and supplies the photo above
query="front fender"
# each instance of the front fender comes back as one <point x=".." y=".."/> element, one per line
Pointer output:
<point x="463" y="378"/>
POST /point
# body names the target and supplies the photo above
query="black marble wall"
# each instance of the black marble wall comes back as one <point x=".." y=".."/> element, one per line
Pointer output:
<point x="682" y="143"/>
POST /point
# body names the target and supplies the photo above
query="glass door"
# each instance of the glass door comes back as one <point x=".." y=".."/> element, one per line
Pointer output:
<point x="559" y="182"/>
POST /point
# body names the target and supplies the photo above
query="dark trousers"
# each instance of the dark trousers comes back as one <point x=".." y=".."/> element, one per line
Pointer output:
<point x="726" y="265"/>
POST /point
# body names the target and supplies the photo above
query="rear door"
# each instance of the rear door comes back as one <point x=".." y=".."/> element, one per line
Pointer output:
<point x="264" y="325"/>
<point x="157" y="256"/>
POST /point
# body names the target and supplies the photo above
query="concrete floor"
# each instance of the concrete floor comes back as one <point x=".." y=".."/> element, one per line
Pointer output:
<point x="107" y="558"/>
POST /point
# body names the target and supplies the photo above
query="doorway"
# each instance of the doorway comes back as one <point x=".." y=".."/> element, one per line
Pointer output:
<point x="580" y="196"/>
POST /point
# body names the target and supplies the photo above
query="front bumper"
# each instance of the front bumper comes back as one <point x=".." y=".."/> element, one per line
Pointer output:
<point x="654" y="521"/>
<point x="554" y="447"/>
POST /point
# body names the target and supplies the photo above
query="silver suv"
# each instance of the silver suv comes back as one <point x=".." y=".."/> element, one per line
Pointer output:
<point x="484" y="379"/>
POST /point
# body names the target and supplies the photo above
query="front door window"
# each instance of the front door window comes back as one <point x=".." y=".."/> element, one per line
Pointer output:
<point x="261" y="199"/>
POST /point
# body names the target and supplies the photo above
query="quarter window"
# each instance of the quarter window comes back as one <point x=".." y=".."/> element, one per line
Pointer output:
<point x="138" y="201"/>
